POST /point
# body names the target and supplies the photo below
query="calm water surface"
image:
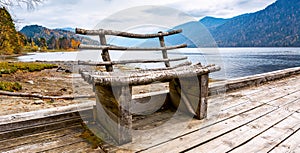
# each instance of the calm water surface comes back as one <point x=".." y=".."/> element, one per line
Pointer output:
<point x="235" y="62"/>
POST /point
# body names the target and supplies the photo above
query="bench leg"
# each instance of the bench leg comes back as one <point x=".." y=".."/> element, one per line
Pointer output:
<point x="189" y="97"/>
<point x="201" y="112"/>
<point x="113" y="104"/>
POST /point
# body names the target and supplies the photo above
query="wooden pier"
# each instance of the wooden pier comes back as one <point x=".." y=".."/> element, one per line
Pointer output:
<point x="264" y="117"/>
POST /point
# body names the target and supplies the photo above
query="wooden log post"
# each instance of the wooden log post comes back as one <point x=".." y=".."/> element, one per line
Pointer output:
<point x="105" y="53"/>
<point x="113" y="105"/>
<point x="164" y="51"/>
<point x="201" y="112"/>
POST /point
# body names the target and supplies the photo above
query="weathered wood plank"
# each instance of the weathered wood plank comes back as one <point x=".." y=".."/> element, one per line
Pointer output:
<point x="125" y="34"/>
<point x="66" y="97"/>
<point x="147" y="77"/>
<point x="52" y="142"/>
<point x="79" y="147"/>
<point x="291" y="144"/>
<point x="152" y="120"/>
<point x="145" y="104"/>
<point x="131" y="61"/>
<point x="267" y="140"/>
<point x="254" y="80"/>
<point x="180" y="99"/>
<point x="286" y="100"/>
<point x="105" y="54"/>
<point x="43" y="136"/>
<point x="164" y="52"/>
<point x="37" y="122"/>
<point x="113" y="105"/>
<point x="39" y="128"/>
<point x="201" y="112"/>
<point x="13" y="118"/>
<point x="241" y="135"/>
<point x="293" y="106"/>
<point x="202" y="135"/>
<point x="120" y="48"/>
<point x="266" y="94"/>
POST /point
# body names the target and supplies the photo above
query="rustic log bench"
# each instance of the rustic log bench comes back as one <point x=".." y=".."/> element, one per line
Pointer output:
<point x="188" y="83"/>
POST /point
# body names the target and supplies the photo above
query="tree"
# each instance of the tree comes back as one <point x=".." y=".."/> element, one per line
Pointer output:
<point x="51" y="43"/>
<point x="29" y="3"/>
<point x="64" y="43"/>
<point x="43" y="44"/>
<point x="74" y="43"/>
<point x="10" y="40"/>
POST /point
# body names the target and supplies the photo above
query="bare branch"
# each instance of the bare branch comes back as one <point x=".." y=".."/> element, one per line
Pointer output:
<point x="30" y="4"/>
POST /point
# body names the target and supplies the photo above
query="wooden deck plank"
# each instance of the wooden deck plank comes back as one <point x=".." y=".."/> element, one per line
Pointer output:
<point x="285" y="100"/>
<point x="11" y="143"/>
<point x="271" y="87"/>
<point x="263" y="94"/>
<point x="219" y="116"/>
<point x="203" y="135"/>
<point x="291" y="144"/>
<point x="63" y="138"/>
<point x="74" y="148"/>
<point x="269" y="139"/>
<point x="294" y="106"/>
<point x="241" y="135"/>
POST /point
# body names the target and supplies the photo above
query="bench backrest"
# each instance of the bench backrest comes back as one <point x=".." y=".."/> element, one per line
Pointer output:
<point x="108" y="63"/>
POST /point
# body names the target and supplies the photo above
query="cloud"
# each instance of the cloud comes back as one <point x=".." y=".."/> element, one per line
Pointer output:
<point x="88" y="13"/>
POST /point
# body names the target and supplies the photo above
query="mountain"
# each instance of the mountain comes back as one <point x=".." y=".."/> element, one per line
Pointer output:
<point x="211" y="22"/>
<point x="36" y="32"/>
<point x="11" y="41"/>
<point x="194" y="34"/>
<point x="276" y="26"/>
<point x="67" y="29"/>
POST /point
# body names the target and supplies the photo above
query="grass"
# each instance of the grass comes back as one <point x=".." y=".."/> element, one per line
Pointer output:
<point x="10" y="86"/>
<point x="12" y="67"/>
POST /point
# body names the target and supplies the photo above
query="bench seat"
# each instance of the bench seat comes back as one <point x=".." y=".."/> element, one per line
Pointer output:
<point x="133" y="78"/>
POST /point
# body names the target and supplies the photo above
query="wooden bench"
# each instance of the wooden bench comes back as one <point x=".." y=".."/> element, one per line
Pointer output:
<point x="188" y="84"/>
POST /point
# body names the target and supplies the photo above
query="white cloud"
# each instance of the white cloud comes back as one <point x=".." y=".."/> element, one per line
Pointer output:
<point x="87" y="13"/>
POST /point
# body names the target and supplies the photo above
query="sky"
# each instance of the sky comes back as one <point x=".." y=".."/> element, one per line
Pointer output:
<point x="89" y="13"/>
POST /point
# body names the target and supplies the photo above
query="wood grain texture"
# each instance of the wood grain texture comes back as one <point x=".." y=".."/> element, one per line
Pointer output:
<point x="146" y="77"/>
<point x="120" y="48"/>
<point x="125" y="34"/>
<point x="164" y="52"/>
<point x="131" y="61"/>
<point x="113" y="105"/>
<point x="105" y="54"/>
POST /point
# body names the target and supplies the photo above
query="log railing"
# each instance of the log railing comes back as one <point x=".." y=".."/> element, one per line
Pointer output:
<point x="126" y="34"/>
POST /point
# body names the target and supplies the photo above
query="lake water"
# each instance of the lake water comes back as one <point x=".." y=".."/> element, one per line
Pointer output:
<point x="235" y="62"/>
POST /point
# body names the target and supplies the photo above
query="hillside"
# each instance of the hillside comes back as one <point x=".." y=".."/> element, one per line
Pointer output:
<point x="275" y="26"/>
<point x="212" y="23"/>
<point x="35" y="32"/>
